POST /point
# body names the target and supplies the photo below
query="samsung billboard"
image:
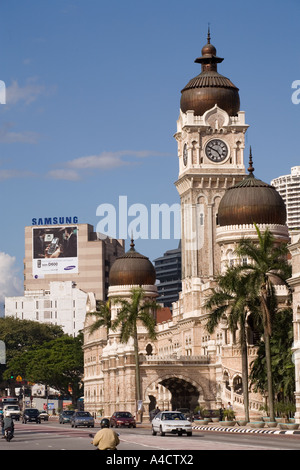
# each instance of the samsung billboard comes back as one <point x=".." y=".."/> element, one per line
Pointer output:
<point x="54" y="220"/>
<point x="54" y="250"/>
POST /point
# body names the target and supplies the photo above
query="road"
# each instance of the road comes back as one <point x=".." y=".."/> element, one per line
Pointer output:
<point x="54" y="436"/>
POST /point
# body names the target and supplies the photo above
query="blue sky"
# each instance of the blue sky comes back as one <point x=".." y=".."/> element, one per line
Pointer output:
<point x="93" y="92"/>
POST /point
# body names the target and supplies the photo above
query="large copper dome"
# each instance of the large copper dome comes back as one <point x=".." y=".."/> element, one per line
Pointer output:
<point x="251" y="201"/>
<point x="209" y="87"/>
<point x="132" y="268"/>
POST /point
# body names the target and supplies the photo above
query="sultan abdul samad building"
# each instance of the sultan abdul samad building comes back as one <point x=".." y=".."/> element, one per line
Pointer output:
<point x="220" y="201"/>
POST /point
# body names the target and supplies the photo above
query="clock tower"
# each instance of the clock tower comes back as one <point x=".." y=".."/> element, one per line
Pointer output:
<point x="211" y="140"/>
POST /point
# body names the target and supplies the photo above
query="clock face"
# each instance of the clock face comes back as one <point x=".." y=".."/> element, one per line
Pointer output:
<point x="216" y="150"/>
<point x="185" y="154"/>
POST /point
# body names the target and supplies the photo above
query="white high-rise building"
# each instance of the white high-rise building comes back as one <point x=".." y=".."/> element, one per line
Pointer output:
<point x="288" y="187"/>
<point x="62" y="304"/>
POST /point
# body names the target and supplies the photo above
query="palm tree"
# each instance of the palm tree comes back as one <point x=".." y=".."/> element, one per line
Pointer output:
<point x="137" y="309"/>
<point x="103" y="316"/>
<point x="267" y="267"/>
<point x="283" y="368"/>
<point x="232" y="300"/>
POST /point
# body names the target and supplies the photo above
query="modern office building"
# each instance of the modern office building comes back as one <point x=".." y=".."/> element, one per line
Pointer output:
<point x="68" y="252"/>
<point x="168" y="274"/>
<point x="288" y="187"/>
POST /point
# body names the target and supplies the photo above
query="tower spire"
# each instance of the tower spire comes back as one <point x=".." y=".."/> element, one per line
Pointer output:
<point x="132" y="245"/>
<point x="208" y="34"/>
<point x="250" y="167"/>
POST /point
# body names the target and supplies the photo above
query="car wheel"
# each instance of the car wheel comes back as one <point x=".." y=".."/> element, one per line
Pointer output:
<point x="189" y="434"/>
<point x="153" y="432"/>
<point x="161" y="432"/>
<point x="179" y="433"/>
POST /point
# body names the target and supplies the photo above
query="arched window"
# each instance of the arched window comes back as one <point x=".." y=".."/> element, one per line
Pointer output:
<point x="149" y="350"/>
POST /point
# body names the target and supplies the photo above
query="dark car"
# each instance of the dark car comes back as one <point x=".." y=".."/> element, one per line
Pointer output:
<point x="82" y="418"/>
<point x="122" y="418"/>
<point x="31" y="415"/>
<point x="65" y="416"/>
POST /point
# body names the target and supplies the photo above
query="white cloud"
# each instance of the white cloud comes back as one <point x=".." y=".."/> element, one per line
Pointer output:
<point x="8" y="136"/>
<point x="107" y="160"/>
<point x="11" y="174"/>
<point x="27" y="93"/>
<point x="64" y="174"/>
<point x="10" y="282"/>
<point x="103" y="161"/>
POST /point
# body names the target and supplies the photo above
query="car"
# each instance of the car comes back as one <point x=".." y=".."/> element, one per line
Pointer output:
<point x="122" y="418"/>
<point x="188" y="414"/>
<point x="31" y="415"/>
<point x="171" y="422"/>
<point x="13" y="411"/>
<point x="82" y="418"/>
<point x="65" y="416"/>
<point x="44" y="415"/>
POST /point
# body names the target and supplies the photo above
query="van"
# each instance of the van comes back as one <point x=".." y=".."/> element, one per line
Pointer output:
<point x="13" y="411"/>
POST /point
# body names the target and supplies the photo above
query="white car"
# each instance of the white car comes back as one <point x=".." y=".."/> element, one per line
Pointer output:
<point x="13" y="411"/>
<point x="171" y="421"/>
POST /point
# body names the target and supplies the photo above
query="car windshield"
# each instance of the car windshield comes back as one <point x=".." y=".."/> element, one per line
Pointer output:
<point x="68" y="413"/>
<point x="172" y="416"/>
<point x="83" y="414"/>
<point x="12" y="407"/>
<point x="123" y="415"/>
<point x="32" y="411"/>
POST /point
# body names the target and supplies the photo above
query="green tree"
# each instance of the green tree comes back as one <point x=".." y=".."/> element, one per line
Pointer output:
<point x="137" y="309"/>
<point x="21" y="335"/>
<point x="267" y="266"/>
<point x="57" y="363"/>
<point x="102" y="316"/>
<point x="283" y="368"/>
<point x="232" y="301"/>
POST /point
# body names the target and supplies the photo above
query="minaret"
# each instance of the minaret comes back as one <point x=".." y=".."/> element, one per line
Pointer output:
<point x="211" y="140"/>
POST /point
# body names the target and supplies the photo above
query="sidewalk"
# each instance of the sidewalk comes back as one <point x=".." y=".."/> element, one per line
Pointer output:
<point x="233" y="429"/>
<point x="244" y="429"/>
<point x="222" y="428"/>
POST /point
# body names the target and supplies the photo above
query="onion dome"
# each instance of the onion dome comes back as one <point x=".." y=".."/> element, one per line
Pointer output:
<point x="132" y="268"/>
<point x="251" y="201"/>
<point x="210" y="88"/>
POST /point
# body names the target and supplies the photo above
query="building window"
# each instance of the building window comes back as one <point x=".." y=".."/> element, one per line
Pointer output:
<point x="149" y="350"/>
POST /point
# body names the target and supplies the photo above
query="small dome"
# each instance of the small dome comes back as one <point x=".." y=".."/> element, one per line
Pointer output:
<point x="132" y="268"/>
<point x="209" y="49"/>
<point x="209" y="88"/>
<point x="251" y="201"/>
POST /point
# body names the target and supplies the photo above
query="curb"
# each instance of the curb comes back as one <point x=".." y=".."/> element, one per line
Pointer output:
<point x="244" y="429"/>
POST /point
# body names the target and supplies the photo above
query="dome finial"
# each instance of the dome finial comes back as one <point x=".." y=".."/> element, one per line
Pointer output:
<point x="250" y="167"/>
<point x="132" y="245"/>
<point x="208" y="34"/>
